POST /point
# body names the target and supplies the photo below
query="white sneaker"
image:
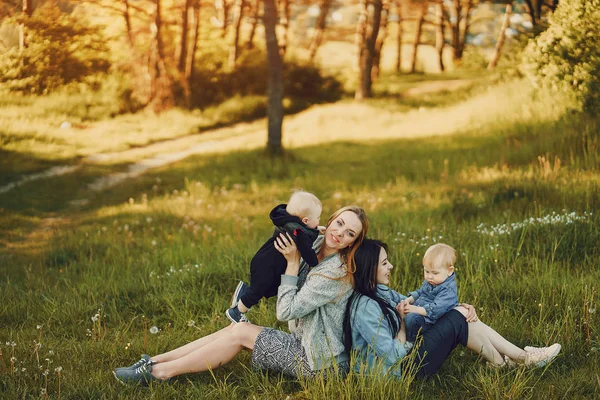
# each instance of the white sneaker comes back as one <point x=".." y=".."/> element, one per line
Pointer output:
<point x="542" y="357"/>
<point x="531" y="349"/>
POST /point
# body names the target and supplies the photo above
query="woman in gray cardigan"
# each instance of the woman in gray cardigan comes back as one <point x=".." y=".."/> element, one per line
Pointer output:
<point x="315" y="298"/>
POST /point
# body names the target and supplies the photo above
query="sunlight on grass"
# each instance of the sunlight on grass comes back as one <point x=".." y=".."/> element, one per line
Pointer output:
<point x="150" y="264"/>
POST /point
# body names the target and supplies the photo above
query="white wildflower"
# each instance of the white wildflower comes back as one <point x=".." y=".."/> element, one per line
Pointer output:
<point x="58" y="369"/>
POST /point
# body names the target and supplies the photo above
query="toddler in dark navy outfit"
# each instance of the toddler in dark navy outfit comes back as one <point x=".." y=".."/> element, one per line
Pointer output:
<point x="299" y="218"/>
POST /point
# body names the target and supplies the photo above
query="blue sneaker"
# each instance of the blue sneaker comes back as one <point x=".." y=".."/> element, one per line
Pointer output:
<point x="235" y="315"/>
<point x="240" y="291"/>
<point x="141" y="375"/>
<point x="145" y="359"/>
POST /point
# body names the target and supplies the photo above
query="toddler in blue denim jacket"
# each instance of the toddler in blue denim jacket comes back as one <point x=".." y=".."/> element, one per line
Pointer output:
<point x="438" y="293"/>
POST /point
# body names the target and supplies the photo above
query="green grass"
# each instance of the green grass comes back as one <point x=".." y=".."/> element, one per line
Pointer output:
<point x="168" y="247"/>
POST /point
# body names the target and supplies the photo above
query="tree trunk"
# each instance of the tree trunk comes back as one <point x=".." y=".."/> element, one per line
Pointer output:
<point x="460" y="26"/>
<point x="284" y="21"/>
<point x="250" y="42"/>
<point x="190" y="65"/>
<point x="183" y="48"/>
<point x="399" y="37"/>
<point x="500" y="41"/>
<point x="27" y="9"/>
<point x="225" y="15"/>
<point x="235" y="46"/>
<point x="161" y="94"/>
<point x="419" y="31"/>
<point x="366" y="62"/>
<point x="360" y="40"/>
<point x="275" y="86"/>
<point x="466" y="24"/>
<point x="127" y="17"/>
<point x="380" y="40"/>
<point x="315" y="43"/>
<point x="439" y="33"/>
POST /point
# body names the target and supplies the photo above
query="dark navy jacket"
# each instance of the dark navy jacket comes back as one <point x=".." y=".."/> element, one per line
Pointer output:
<point x="302" y="235"/>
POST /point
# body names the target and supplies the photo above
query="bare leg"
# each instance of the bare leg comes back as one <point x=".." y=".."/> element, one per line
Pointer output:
<point x="242" y="307"/>
<point x="489" y="343"/>
<point x="190" y="347"/>
<point x="213" y="354"/>
<point x="504" y="346"/>
<point x="480" y="343"/>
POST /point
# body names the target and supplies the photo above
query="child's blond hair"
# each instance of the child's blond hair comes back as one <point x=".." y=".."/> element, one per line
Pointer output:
<point x="440" y="255"/>
<point x="303" y="204"/>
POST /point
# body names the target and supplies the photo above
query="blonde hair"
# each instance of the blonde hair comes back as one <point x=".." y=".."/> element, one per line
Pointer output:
<point x="440" y="255"/>
<point x="347" y="254"/>
<point x="303" y="204"/>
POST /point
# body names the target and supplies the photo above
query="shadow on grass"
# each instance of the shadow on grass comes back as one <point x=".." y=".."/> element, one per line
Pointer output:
<point x="435" y="165"/>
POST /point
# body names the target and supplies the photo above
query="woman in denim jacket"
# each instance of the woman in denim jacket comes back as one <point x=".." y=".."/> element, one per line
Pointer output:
<point x="373" y="327"/>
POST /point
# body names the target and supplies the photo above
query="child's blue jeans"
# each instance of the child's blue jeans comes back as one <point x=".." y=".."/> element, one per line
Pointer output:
<point x="414" y="322"/>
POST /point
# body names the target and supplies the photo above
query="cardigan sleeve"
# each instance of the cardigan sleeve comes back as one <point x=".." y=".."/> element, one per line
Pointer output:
<point x="372" y="325"/>
<point x="321" y="287"/>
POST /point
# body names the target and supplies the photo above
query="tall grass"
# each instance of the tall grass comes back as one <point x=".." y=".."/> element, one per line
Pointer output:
<point x="81" y="288"/>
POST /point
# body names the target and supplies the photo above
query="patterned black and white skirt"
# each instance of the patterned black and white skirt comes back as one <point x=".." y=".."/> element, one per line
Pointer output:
<point x="279" y="351"/>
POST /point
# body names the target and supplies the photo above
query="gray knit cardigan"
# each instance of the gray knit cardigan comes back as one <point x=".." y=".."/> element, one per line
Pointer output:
<point x="317" y="298"/>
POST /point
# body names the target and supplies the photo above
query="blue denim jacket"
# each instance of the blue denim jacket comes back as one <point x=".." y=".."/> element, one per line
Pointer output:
<point x="437" y="300"/>
<point x="372" y="338"/>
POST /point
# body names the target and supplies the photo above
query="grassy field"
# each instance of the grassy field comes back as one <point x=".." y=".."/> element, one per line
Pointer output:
<point x="509" y="179"/>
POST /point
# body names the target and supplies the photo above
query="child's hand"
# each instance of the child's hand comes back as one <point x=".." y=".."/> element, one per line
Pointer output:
<point x="401" y="308"/>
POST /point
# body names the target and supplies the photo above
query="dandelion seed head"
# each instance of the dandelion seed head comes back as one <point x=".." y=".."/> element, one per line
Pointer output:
<point x="153" y="330"/>
<point x="191" y="322"/>
<point x="58" y="369"/>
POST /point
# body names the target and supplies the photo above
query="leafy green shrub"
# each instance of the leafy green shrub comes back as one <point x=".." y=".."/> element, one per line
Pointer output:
<point x="566" y="57"/>
<point x="60" y="50"/>
<point x="215" y="84"/>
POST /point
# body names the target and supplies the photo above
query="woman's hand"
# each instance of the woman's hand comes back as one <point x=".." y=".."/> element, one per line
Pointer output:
<point x="286" y="246"/>
<point x="471" y="313"/>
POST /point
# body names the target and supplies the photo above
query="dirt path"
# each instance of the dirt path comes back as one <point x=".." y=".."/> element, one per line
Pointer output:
<point x="316" y="125"/>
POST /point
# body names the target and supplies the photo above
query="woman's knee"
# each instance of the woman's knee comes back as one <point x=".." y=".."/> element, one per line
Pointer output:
<point x="462" y="310"/>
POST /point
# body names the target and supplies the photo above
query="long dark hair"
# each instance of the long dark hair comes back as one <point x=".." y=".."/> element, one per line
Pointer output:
<point x="365" y="284"/>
